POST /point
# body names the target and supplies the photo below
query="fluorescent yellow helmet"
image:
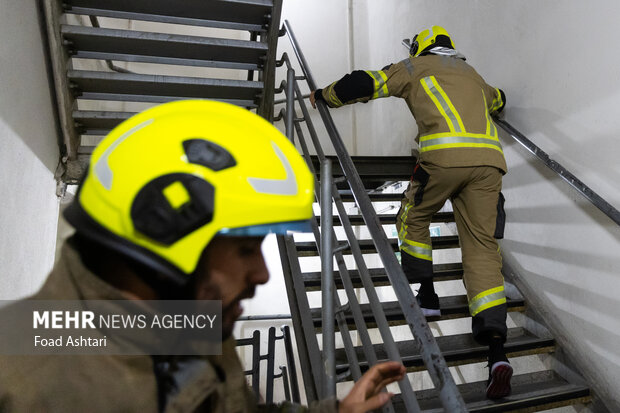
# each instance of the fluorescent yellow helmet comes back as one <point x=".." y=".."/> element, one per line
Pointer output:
<point x="435" y="36"/>
<point x="163" y="183"/>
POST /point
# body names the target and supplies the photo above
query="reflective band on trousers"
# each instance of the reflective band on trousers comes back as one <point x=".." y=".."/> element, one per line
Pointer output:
<point x="443" y="103"/>
<point x="380" y="88"/>
<point x="443" y="141"/>
<point x="487" y="299"/>
<point x="417" y="249"/>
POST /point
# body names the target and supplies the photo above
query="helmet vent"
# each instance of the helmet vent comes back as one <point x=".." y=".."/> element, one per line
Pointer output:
<point x="157" y="216"/>
<point x="209" y="154"/>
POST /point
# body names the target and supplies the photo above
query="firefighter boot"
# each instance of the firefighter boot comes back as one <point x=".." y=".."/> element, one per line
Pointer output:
<point x="500" y="370"/>
<point x="428" y="299"/>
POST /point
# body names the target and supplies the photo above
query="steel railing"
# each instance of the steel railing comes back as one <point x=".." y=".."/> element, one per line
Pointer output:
<point x="288" y="372"/>
<point x="572" y="180"/>
<point x="304" y="329"/>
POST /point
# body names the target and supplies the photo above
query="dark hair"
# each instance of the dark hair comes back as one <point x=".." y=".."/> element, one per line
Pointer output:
<point x="96" y="256"/>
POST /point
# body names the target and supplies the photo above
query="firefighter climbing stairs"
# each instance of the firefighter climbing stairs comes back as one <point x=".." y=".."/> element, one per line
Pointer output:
<point x="530" y="346"/>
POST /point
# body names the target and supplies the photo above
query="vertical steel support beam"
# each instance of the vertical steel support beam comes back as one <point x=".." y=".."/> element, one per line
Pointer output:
<point x="256" y="362"/>
<point x="290" y="103"/>
<point x="327" y="282"/>
<point x="271" y="350"/>
<point x="61" y="63"/>
<point x="265" y="105"/>
<point x="290" y="361"/>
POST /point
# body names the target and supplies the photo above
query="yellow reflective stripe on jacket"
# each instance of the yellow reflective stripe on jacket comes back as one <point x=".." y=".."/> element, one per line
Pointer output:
<point x="487" y="299"/>
<point x="443" y="103"/>
<point x="332" y="98"/>
<point x="464" y="140"/>
<point x="417" y="249"/>
<point x="491" y="129"/>
<point x="497" y="101"/>
<point x="380" y="88"/>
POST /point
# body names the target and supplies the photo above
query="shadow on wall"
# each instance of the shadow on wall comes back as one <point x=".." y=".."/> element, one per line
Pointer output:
<point x="532" y="173"/>
<point x="516" y="251"/>
<point x="584" y="322"/>
<point x="585" y="144"/>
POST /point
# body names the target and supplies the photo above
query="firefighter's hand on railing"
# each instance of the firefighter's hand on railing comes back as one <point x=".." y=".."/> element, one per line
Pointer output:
<point x="312" y="99"/>
<point x="366" y="393"/>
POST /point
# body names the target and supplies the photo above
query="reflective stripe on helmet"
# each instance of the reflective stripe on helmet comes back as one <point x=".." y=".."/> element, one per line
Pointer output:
<point x="102" y="169"/>
<point x="487" y="299"/>
<point x="286" y="186"/>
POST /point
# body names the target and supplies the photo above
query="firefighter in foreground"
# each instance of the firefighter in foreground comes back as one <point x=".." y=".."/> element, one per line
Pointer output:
<point x="175" y="205"/>
<point x="460" y="159"/>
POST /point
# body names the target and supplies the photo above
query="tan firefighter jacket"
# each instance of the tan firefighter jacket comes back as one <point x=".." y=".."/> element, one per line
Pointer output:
<point x="109" y="383"/>
<point x="450" y="101"/>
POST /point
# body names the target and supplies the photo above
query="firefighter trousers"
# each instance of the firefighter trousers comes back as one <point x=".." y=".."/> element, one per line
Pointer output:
<point x="475" y="196"/>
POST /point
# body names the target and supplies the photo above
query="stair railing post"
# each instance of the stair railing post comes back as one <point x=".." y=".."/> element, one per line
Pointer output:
<point x="290" y="103"/>
<point x="327" y="282"/>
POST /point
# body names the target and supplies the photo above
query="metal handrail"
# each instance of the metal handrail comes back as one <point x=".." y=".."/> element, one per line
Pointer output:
<point x="572" y="180"/>
<point x="436" y="365"/>
<point x="355" y="308"/>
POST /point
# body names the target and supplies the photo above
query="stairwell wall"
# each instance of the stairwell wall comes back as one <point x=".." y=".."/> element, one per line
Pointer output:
<point x="29" y="155"/>
<point x="556" y="64"/>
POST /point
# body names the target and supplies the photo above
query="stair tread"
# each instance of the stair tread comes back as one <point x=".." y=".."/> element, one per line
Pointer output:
<point x="456" y="349"/>
<point x="393" y="168"/>
<point x="158" y="88"/>
<point x="308" y="248"/>
<point x="357" y="219"/>
<point x="528" y="391"/>
<point x="451" y="307"/>
<point x="94" y="122"/>
<point x="231" y="14"/>
<point x="130" y="45"/>
<point x="375" y="197"/>
<point x="441" y="272"/>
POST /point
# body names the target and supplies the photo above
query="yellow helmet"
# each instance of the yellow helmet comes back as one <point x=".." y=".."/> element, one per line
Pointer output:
<point x="163" y="183"/>
<point x="435" y="36"/>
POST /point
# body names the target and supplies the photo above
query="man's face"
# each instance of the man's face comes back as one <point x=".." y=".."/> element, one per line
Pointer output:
<point x="234" y="266"/>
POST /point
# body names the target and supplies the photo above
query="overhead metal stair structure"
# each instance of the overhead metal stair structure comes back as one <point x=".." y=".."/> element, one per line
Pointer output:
<point x="373" y="305"/>
<point x="86" y="61"/>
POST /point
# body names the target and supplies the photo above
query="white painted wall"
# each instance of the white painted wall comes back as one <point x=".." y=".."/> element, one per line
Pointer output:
<point x="29" y="155"/>
<point x="557" y="64"/>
